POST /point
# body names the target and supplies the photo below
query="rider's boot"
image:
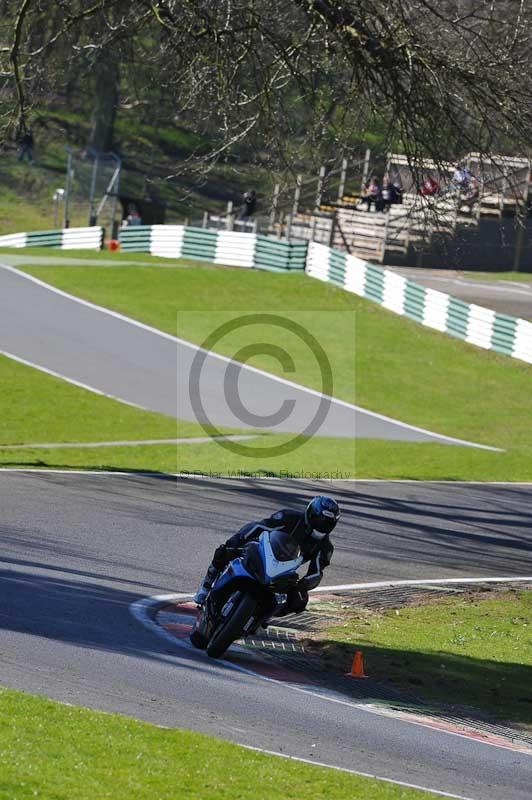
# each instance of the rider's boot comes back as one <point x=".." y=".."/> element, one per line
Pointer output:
<point x="205" y="586"/>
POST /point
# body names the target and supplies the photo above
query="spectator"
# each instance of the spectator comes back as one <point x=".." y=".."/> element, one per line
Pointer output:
<point x="133" y="217"/>
<point x="26" y="143"/>
<point x="473" y="192"/>
<point x="389" y="194"/>
<point x="429" y="187"/>
<point x="398" y="189"/>
<point x="461" y="177"/>
<point x="249" y="205"/>
<point x="372" y="194"/>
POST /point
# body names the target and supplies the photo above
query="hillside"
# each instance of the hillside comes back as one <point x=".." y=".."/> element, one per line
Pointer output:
<point x="150" y="157"/>
<point x="465" y="392"/>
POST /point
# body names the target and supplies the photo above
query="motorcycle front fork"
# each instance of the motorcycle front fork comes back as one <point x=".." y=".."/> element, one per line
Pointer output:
<point x="265" y="619"/>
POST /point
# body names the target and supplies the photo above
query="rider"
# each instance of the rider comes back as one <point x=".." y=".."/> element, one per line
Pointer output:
<point x="309" y="528"/>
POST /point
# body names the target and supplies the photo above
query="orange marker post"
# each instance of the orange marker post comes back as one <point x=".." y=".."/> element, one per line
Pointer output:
<point x="357" y="667"/>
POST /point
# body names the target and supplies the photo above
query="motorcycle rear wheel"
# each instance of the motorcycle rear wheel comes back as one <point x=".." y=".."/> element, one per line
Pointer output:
<point x="233" y="627"/>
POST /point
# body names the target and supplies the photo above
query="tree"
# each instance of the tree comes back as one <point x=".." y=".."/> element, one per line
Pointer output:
<point x="442" y="77"/>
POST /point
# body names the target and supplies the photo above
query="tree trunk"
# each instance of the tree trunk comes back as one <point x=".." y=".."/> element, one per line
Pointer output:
<point x="106" y="75"/>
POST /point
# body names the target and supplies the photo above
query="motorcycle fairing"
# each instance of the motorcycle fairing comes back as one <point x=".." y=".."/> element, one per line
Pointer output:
<point x="235" y="570"/>
<point x="274" y="568"/>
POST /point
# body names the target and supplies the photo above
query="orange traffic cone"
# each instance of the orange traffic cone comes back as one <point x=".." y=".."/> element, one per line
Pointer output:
<point x="357" y="668"/>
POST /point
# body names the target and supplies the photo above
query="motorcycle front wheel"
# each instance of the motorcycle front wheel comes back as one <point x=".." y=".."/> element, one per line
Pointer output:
<point x="232" y="628"/>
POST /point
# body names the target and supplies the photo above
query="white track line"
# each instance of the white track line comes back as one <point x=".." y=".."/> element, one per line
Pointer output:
<point x="226" y="359"/>
<point x="288" y="479"/>
<point x="420" y="582"/>
<point x="71" y="380"/>
<point x="355" y="772"/>
<point x="129" y="442"/>
<point x="143" y="609"/>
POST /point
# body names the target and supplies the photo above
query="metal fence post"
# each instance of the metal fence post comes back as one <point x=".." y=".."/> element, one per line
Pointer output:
<point x="68" y="187"/>
<point x="321" y="183"/>
<point x="520" y="238"/>
<point x="385" y="235"/>
<point x="331" y="231"/>
<point x="92" y="216"/>
<point x="343" y="177"/>
<point x="297" y="194"/>
<point x="288" y="226"/>
<point x="229" y="222"/>
<point x="275" y="203"/>
<point x="116" y="189"/>
<point x="365" y="170"/>
<point x="280" y="226"/>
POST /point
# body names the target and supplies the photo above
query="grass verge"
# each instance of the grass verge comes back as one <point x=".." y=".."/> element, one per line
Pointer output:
<point x="500" y="276"/>
<point x="98" y="257"/>
<point x="149" y="155"/>
<point x="53" y="751"/>
<point x="475" y="650"/>
<point x="402" y="370"/>
<point x="36" y="407"/>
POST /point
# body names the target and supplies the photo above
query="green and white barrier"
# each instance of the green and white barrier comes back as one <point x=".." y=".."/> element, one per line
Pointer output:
<point x="474" y="324"/>
<point x="67" y="239"/>
<point x="13" y="240"/>
<point x="220" y="247"/>
<point x="275" y="254"/>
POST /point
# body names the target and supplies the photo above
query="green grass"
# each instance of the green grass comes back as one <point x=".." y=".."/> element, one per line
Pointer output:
<point x="147" y="151"/>
<point x="499" y="276"/>
<point x="401" y="369"/>
<point x="96" y="257"/>
<point x="36" y="408"/>
<point x="317" y="458"/>
<point x="30" y="215"/>
<point x="26" y="193"/>
<point x="473" y="650"/>
<point x="54" y="751"/>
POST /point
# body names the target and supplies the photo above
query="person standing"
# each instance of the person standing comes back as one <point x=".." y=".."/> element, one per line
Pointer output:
<point x="372" y="194"/>
<point x="26" y="143"/>
<point x="249" y="205"/>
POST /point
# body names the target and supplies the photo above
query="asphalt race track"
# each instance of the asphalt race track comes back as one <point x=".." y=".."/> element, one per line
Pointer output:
<point x="506" y="297"/>
<point x="77" y="550"/>
<point x="149" y="368"/>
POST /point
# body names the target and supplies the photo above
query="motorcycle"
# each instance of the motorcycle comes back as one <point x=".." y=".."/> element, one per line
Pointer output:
<point x="252" y="589"/>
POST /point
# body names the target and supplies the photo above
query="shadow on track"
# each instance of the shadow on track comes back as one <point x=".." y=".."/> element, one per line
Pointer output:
<point x="440" y="528"/>
<point x="85" y="614"/>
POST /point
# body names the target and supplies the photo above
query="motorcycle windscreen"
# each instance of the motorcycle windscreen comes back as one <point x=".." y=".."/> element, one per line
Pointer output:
<point x="290" y="560"/>
<point x="283" y="546"/>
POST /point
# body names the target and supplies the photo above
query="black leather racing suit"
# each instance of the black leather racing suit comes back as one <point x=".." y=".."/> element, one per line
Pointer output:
<point x="317" y="553"/>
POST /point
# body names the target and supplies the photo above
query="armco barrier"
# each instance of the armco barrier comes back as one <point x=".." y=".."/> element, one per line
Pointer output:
<point x="13" y="240"/>
<point x="220" y="247"/>
<point x="67" y="239"/>
<point x="472" y="323"/>
<point x="275" y="254"/>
